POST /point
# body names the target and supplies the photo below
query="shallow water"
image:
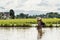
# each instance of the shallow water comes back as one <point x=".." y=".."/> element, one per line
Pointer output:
<point x="14" y="33"/>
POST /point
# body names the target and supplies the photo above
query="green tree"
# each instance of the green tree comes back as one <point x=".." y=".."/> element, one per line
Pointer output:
<point x="22" y="15"/>
<point x="12" y="14"/>
<point x="52" y="14"/>
<point x="26" y="15"/>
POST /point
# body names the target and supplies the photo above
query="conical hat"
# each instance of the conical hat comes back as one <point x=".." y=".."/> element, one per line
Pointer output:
<point x="39" y="18"/>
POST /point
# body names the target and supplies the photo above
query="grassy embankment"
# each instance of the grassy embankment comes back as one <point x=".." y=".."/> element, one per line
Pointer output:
<point x="27" y="22"/>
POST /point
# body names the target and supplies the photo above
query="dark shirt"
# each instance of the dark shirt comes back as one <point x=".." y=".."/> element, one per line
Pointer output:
<point x="40" y="24"/>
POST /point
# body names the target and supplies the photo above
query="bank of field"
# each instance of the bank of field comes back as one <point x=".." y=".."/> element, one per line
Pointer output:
<point x="28" y="22"/>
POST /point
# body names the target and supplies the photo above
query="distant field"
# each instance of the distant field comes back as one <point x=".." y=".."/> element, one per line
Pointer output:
<point x="28" y="21"/>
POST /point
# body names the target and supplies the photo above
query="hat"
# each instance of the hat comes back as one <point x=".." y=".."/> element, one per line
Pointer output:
<point x="39" y="18"/>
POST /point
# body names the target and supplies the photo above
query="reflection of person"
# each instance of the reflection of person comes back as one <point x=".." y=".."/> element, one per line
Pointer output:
<point x="39" y="27"/>
<point x="40" y="34"/>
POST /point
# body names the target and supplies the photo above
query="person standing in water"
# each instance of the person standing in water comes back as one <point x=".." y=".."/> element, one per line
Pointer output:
<point x="39" y="27"/>
<point x="40" y="23"/>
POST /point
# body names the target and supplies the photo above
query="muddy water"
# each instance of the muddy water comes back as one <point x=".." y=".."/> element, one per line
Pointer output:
<point x="14" y="33"/>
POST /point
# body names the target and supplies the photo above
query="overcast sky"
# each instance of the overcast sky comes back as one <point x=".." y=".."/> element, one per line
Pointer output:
<point x="39" y="5"/>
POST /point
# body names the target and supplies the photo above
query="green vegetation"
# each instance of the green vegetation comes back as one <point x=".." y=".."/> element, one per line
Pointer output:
<point x="46" y="15"/>
<point x="27" y="22"/>
<point x="12" y="14"/>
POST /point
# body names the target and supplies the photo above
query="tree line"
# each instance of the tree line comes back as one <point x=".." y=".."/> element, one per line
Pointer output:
<point x="47" y="15"/>
<point x="22" y="15"/>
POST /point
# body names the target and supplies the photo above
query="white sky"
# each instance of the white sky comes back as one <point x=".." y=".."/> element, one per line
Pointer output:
<point x="39" y="5"/>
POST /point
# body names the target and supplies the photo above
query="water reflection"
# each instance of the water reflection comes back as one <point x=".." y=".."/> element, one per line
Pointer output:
<point x="18" y="33"/>
<point x="40" y="34"/>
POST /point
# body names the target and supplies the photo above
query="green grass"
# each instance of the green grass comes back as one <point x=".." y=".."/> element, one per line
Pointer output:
<point x="51" y="20"/>
<point x="28" y="22"/>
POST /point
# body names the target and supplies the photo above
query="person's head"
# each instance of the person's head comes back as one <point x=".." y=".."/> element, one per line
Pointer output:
<point x="39" y="19"/>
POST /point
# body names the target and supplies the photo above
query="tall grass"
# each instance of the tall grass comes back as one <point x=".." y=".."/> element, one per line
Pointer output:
<point x="19" y="22"/>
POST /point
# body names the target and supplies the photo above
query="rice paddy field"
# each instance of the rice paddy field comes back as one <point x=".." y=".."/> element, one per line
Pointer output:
<point x="28" y="22"/>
